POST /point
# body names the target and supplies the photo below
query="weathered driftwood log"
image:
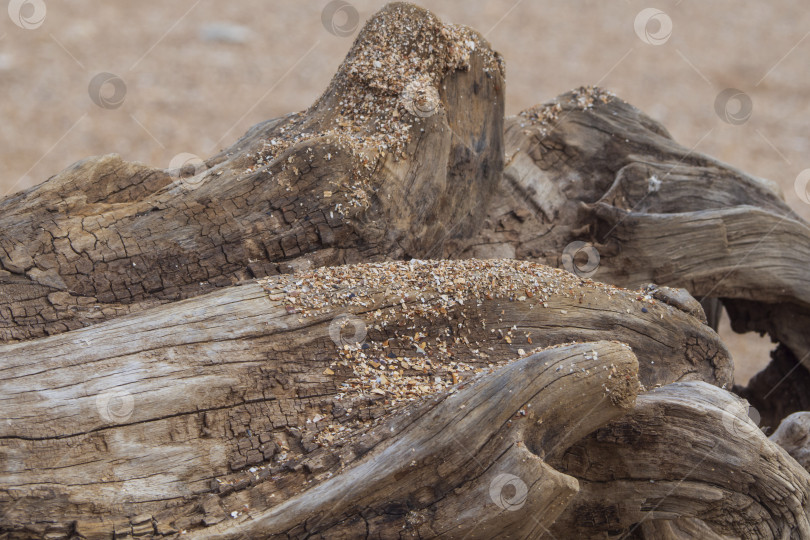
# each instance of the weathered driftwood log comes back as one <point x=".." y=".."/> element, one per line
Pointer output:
<point x="395" y="399"/>
<point x="677" y="529"/>
<point x="107" y="237"/>
<point x="243" y="393"/>
<point x="589" y="174"/>
<point x="687" y="450"/>
<point x="793" y="435"/>
<point x="509" y="418"/>
<point x="405" y="144"/>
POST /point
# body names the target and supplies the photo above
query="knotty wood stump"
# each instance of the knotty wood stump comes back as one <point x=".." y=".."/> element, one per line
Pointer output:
<point x="400" y="314"/>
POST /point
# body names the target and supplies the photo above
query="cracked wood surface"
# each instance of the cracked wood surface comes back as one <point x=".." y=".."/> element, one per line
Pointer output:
<point x="793" y="434"/>
<point x="329" y="185"/>
<point x="687" y="450"/>
<point x="177" y="402"/>
<point x="589" y="167"/>
<point x="390" y="489"/>
<point x="146" y="394"/>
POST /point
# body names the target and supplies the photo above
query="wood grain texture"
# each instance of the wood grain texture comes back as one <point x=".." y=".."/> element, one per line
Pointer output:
<point x="392" y="485"/>
<point x="793" y="434"/>
<point x="144" y="412"/>
<point x="340" y="327"/>
<point x="687" y="450"/>
<point x="589" y="171"/>
<point x="329" y="185"/>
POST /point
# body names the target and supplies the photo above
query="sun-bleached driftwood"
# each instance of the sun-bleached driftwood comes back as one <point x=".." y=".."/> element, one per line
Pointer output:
<point x="181" y="355"/>
<point x="686" y="450"/>
<point x="187" y="397"/>
<point x="521" y="407"/>
<point x="387" y="161"/>
<point x="590" y="169"/>
<point x="793" y="434"/>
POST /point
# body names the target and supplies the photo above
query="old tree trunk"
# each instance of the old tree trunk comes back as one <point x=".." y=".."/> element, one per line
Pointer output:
<point x="350" y="324"/>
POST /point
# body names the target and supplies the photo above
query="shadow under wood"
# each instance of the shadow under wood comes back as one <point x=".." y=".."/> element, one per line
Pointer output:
<point x="779" y="390"/>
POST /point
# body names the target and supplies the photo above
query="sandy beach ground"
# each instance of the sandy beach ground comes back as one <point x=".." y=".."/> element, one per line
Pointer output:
<point x="193" y="75"/>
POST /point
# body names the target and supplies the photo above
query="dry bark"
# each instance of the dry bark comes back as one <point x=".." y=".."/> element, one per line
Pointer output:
<point x="151" y="384"/>
<point x="590" y="168"/>
<point x="687" y="450"/>
<point x="793" y="434"/>
<point x="177" y="402"/>
<point x="364" y="174"/>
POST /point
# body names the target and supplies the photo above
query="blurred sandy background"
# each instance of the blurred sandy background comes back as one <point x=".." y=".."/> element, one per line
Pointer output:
<point x="198" y="73"/>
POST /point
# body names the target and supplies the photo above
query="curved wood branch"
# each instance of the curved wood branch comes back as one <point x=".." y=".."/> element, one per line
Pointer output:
<point x="387" y="398"/>
<point x="351" y="179"/>
<point x="150" y="410"/>
<point x="507" y="417"/>
<point x="688" y="450"/>
<point x="590" y="168"/>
